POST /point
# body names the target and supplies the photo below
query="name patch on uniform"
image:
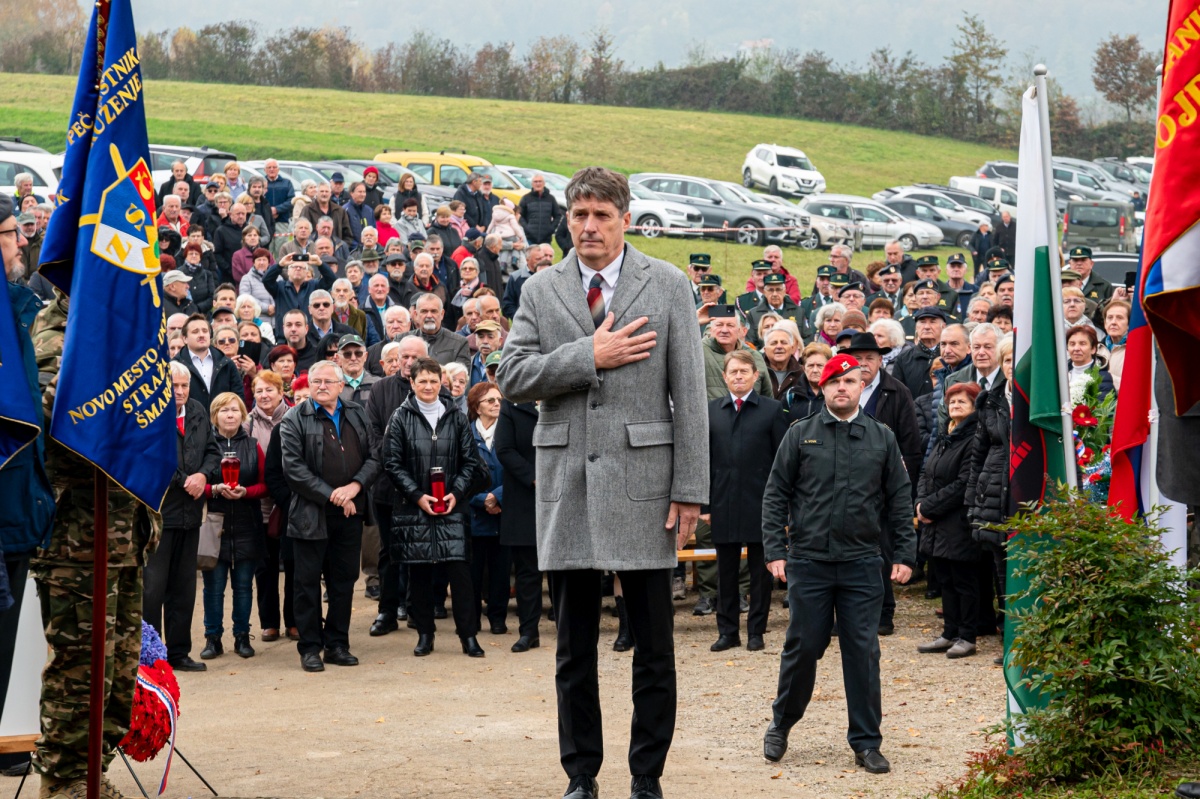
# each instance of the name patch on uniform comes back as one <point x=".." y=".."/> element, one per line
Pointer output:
<point x="816" y="441"/>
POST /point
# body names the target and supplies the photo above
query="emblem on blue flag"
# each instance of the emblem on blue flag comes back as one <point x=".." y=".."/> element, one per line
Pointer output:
<point x="126" y="233"/>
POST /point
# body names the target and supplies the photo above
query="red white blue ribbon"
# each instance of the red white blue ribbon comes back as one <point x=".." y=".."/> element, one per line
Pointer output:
<point x="173" y="711"/>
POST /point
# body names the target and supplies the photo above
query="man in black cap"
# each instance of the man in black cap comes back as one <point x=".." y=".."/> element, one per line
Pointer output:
<point x="699" y="265"/>
<point x="758" y="272"/>
<point x="337" y="188"/>
<point x="997" y="267"/>
<point x="890" y="283"/>
<point x="956" y="281"/>
<point x="711" y="293"/>
<point x="928" y="296"/>
<point x="775" y="300"/>
<point x="854" y="296"/>
<point x="1005" y="290"/>
<point x="821" y="296"/>
<point x="842" y="472"/>
<point x="1095" y="288"/>
<point x="888" y="400"/>
<point x="912" y="366"/>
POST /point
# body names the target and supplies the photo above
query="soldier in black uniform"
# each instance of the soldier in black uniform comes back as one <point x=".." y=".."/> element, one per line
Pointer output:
<point x="839" y="477"/>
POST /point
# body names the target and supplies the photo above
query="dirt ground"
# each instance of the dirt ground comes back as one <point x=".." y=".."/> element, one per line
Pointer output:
<point x="450" y="726"/>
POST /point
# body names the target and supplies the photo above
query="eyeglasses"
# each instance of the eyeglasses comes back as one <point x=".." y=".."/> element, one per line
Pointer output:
<point x="319" y="304"/>
<point x="324" y="382"/>
<point x="700" y="268"/>
<point x="13" y="232"/>
<point x="490" y="399"/>
<point x="354" y="354"/>
<point x="222" y="341"/>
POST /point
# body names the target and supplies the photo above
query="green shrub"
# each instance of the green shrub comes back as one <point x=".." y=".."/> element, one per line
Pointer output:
<point x="1108" y="637"/>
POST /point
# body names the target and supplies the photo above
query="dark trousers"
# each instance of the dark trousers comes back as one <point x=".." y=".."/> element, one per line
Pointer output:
<point x="960" y="597"/>
<point x="17" y="569"/>
<point x="393" y="575"/>
<point x="490" y="566"/>
<point x="887" y="614"/>
<point x="336" y="558"/>
<point x="815" y="589"/>
<point x="729" y="593"/>
<point x="999" y="556"/>
<point x="169" y="589"/>
<point x="421" y="589"/>
<point x="987" y="618"/>
<point x="529" y="589"/>
<point x="651" y="623"/>
<point x="266" y="583"/>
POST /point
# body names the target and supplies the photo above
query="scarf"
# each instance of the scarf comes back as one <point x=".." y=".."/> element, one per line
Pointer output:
<point x="488" y="434"/>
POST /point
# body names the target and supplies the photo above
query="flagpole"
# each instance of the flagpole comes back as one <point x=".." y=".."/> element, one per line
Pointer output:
<point x="1152" y="438"/>
<point x="1055" y="267"/>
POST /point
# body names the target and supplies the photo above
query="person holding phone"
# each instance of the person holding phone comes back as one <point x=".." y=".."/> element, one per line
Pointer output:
<point x="430" y="457"/>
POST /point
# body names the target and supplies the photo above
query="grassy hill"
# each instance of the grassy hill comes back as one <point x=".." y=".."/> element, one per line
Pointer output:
<point x="256" y="122"/>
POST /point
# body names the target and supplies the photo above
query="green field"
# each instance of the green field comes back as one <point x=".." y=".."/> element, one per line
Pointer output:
<point x="256" y="122"/>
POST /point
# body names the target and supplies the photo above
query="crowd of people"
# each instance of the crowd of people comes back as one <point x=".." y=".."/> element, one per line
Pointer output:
<point x="335" y="367"/>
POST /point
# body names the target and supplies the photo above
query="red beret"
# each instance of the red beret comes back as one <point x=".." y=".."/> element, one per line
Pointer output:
<point x="837" y="366"/>
<point x="370" y="170"/>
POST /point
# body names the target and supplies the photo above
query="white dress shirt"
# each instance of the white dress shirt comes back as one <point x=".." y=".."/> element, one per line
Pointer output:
<point x="986" y="383"/>
<point x="204" y="366"/>
<point x="869" y="389"/>
<point x="608" y="274"/>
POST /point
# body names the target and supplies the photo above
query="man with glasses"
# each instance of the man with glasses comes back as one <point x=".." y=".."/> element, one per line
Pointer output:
<point x="352" y="357"/>
<point x="329" y="503"/>
<point x="320" y="312"/>
<point x="699" y="264"/>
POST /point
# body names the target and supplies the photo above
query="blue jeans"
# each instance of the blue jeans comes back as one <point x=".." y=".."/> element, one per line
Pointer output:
<point x="243" y="596"/>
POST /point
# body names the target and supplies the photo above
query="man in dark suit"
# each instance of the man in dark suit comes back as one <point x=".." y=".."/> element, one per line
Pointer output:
<point x="607" y="340"/>
<point x="1005" y="234"/>
<point x="888" y="401"/>
<point x="980" y="243"/>
<point x="744" y="431"/>
<point x="212" y="372"/>
<point x="518" y="522"/>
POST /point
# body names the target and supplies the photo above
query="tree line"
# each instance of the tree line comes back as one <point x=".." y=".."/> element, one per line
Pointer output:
<point x="968" y="96"/>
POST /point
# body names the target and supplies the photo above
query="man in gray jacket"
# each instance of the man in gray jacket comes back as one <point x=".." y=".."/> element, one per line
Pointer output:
<point x="607" y="341"/>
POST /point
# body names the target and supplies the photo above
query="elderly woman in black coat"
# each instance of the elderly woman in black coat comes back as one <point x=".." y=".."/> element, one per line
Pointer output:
<point x="744" y="431"/>
<point x="941" y="506"/>
<point x="518" y="523"/>
<point x="425" y="433"/>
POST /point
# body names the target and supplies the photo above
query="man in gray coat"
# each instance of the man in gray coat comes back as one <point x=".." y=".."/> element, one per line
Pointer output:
<point x="607" y="341"/>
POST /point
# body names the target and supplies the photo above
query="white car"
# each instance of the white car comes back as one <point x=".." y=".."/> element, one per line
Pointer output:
<point x="654" y="215"/>
<point x="1001" y="195"/>
<point x="946" y="206"/>
<point x="781" y="170"/>
<point x="877" y="223"/>
<point x="45" y="168"/>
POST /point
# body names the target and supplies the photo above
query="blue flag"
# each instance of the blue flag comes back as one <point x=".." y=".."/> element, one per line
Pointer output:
<point x="114" y="404"/>
<point x="20" y="418"/>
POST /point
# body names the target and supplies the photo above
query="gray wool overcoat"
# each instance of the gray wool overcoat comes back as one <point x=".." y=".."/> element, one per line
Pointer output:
<point x="614" y="447"/>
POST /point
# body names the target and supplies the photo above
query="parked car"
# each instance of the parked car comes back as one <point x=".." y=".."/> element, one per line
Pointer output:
<point x="954" y="233"/>
<point x="966" y="199"/>
<point x="1100" y="225"/>
<point x="781" y="170"/>
<point x="1114" y="266"/>
<point x="1072" y="174"/>
<point x="1001" y="196"/>
<point x="200" y="161"/>
<point x="721" y="207"/>
<point x="995" y="170"/>
<point x="45" y="168"/>
<point x="556" y="184"/>
<point x="327" y="168"/>
<point x="13" y="144"/>
<point x="1142" y="162"/>
<point x="1117" y="169"/>
<point x="948" y="207"/>
<point x="445" y="168"/>
<point x="389" y="179"/>
<point x="877" y="223"/>
<point x="656" y="216"/>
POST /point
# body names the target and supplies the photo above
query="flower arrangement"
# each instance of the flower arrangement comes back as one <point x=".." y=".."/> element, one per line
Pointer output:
<point x="1093" y="420"/>
<point x="153" y="720"/>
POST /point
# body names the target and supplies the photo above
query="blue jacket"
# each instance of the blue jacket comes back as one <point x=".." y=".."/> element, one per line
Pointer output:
<point x="484" y="523"/>
<point x="360" y="217"/>
<point x="280" y="192"/>
<point x="26" y="498"/>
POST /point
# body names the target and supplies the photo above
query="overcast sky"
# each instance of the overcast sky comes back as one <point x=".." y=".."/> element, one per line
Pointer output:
<point x="1062" y="33"/>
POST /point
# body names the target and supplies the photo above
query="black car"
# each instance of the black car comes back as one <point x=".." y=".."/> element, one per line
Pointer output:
<point x="1114" y="266"/>
<point x="954" y="233"/>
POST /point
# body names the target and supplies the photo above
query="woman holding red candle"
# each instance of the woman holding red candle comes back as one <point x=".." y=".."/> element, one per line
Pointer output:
<point x="238" y="497"/>
<point x="429" y="455"/>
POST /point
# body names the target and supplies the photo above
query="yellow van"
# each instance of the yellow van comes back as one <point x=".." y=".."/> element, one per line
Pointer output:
<point x="451" y="169"/>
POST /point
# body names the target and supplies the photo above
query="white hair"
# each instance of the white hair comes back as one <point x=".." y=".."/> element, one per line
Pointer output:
<point x="320" y="294"/>
<point x="172" y="199"/>
<point x="894" y="330"/>
<point x="396" y="310"/>
<point x="983" y="329"/>
<point x="842" y="250"/>
<point x="423" y="256"/>
<point x="428" y="297"/>
<point x="21" y="177"/>
<point x="984" y="300"/>
<point x="388" y="349"/>
<point x="828" y="311"/>
<point x="792" y="329"/>
<point x="770" y="248"/>
<point x="342" y="282"/>
<point x="454" y="369"/>
<point x="179" y="370"/>
<point x="248" y="299"/>
<point x="337" y="370"/>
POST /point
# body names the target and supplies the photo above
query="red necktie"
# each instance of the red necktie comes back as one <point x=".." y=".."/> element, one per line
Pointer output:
<point x="737" y="406"/>
<point x="595" y="300"/>
<point x="179" y="421"/>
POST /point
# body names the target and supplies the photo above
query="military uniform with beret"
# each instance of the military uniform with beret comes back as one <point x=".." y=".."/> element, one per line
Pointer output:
<point x="1095" y="288"/>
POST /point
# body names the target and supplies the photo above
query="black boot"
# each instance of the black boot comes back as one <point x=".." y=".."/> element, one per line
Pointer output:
<point x="241" y="645"/>
<point x="624" y="640"/>
<point x="424" y="645"/>
<point x="212" y="647"/>
<point x="471" y="647"/>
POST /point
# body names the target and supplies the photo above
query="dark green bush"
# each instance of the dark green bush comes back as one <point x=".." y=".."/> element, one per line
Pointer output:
<point x="1108" y="636"/>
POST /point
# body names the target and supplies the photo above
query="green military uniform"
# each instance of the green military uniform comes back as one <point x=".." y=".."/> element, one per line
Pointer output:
<point x="63" y="572"/>
<point x="788" y="310"/>
<point x="746" y="302"/>
<point x="1096" y="289"/>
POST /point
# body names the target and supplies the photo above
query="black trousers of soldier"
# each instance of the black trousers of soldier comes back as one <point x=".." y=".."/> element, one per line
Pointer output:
<point x="729" y="592"/>
<point x="169" y="589"/>
<point x="337" y="559"/>
<point x="647" y="593"/>
<point x="854" y="588"/>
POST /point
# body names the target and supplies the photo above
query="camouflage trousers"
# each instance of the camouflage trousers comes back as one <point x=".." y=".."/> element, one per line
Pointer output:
<point x="65" y="592"/>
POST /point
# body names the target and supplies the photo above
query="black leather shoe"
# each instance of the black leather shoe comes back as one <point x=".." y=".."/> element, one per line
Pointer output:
<point x="936" y="593"/>
<point x="472" y="648"/>
<point x="187" y="664"/>
<point x="401" y="613"/>
<point x="775" y="743"/>
<point x="340" y="656"/>
<point x="873" y="761"/>
<point x="18" y="769"/>
<point x="886" y="628"/>
<point x="439" y="611"/>
<point x="755" y="643"/>
<point x="525" y="643"/>
<point x="1188" y="790"/>
<point x="499" y="628"/>
<point x="241" y="645"/>
<point x="424" y="645"/>
<point x="312" y="662"/>
<point x="212" y="647"/>
<point x="411" y="623"/>
<point x="645" y="787"/>
<point x="725" y="642"/>
<point x="384" y="623"/>
<point x="372" y="592"/>
<point x="582" y="786"/>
